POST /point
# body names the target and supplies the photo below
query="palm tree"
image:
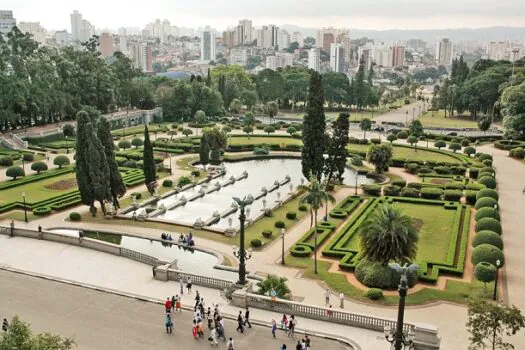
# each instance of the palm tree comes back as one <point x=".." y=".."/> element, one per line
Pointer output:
<point x="388" y="235"/>
<point x="315" y="196"/>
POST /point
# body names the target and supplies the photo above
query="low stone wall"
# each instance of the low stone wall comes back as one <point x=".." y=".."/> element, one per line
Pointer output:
<point x="164" y="273"/>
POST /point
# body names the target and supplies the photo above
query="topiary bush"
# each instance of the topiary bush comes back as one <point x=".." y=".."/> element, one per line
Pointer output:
<point x="14" y="172"/>
<point x="424" y="170"/>
<point x="42" y="211"/>
<point x="39" y="167"/>
<point x="195" y="173"/>
<point x="488" y="192"/>
<point x="402" y="135"/>
<point x="440" y="144"/>
<point x="487" y="163"/>
<point x="291" y="215"/>
<point x="391" y="190"/>
<point x="453" y="195"/>
<point x="412" y="168"/>
<point x="391" y="138"/>
<point x="363" y="142"/>
<point x="487" y="237"/>
<point x="372" y="190"/>
<point x="484" y="156"/>
<point x="130" y="164"/>
<point x="431" y="193"/>
<point x="410" y="192"/>
<point x="469" y="150"/>
<point x="442" y="170"/>
<point x="489" y="224"/>
<point x="375" y="141"/>
<point x="486" y="202"/>
<point x="487" y="212"/>
<point x="357" y="161"/>
<point x="465" y="143"/>
<point x="374" y="294"/>
<point x="124" y="144"/>
<point x="454" y="147"/>
<point x="454" y="186"/>
<point x="301" y="250"/>
<point x="28" y="157"/>
<point x="137" y="195"/>
<point x="74" y="216"/>
<point x="6" y="161"/>
<point x="487" y="253"/>
<point x="279" y="224"/>
<point x="518" y="152"/>
<point x="167" y="183"/>
<point x="61" y="161"/>
<point x="137" y="142"/>
<point x="487" y="169"/>
<point x="416" y="185"/>
<point x="267" y="234"/>
<point x="256" y="243"/>
<point x="377" y="275"/>
<point x="473" y="173"/>
<point x="474" y="186"/>
<point x="399" y="183"/>
<point x="183" y="181"/>
<point x="488" y="181"/>
<point x="303" y="207"/>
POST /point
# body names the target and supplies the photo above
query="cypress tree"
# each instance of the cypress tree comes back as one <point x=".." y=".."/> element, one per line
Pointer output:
<point x="204" y="150"/>
<point x="314" y="124"/>
<point x="98" y="167"/>
<point x="150" y="175"/>
<point x="336" y="147"/>
<point x="116" y="184"/>
<point x="87" y="195"/>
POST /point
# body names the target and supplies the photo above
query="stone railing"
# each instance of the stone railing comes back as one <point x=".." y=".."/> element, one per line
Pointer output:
<point x="140" y="257"/>
<point x="164" y="273"/>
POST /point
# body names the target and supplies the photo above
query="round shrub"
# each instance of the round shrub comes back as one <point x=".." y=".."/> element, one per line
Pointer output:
<point x="375" y="141"/>
<point x="357" y="161"/>
<point x="374" y="294"/>
<point x="363" y="142"/>
<point x="424" y="170"/>
<point x="137" y="195"/>
<point x="488" y="192"/>
<point x="377" y="275"/>
<point x="469" y="150"/>
<point x="124" y="144"/>
<point x="136" y="142"/>
<point x="42" y="211"/>
<point x="453" y="195"/>
<point x="28" y="157"/>
<point x="39" y="167"/>
<point x="256" y="243"/>
<point x="487" y="169"/>
<point x="410" y="192"/>
<point x="195" y="173"/>
<point x="454" y="147"/>
<point x="291" y="215"/>
<point x="412" y="168"/>
<point x="488" y="181"/>
<point x="74" y="216"/>
<point x="487" y="163"/>
<point x="130" y="164"/>
<point x="391" y="138"/>
<point x="183" y="181"/>
<point x="279" y="224"/>
<point x="485" y="272"/>
<point x="487" y="253"/>
<point x="391" y="190"/>
<point x="473" y="173"/>
<point x="14" y="172"/>
<point x="440" y="144"/>
<point x="301" y="250"/>
<point x="303" y="207"/>
<point x="442" y="170"/>
<point x="487" y="212"/>
<point x="431" y="193"/>
<point x="6" y="161"/>
<point x="402" y="135"/>
<point x="484" y="156"/>
<point x="518" y="152"/>
<point x="458" y="170"/>
<point x="489" y="224"/>
<point x="416" y="185"/>
<point x="399" y="183"/>
<point x="61" y="161"/>
<point x="486" y="202"/>
<point x="120" y="160"/>
<point x="372" y="190"/>
<point x="167" y="183"/>
<point x="465" y="143"/>
<point x="267" y="234"/>
<point x="488" y="237"/>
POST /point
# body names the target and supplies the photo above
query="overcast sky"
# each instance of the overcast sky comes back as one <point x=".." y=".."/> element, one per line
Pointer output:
<point x="362" y="14"/>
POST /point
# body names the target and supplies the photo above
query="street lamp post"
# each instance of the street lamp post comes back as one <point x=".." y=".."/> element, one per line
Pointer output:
<point x="282" y="250"/>
<point x="67" y="148"/>
<point x="25" y="208"/>
<point x="413" y="113"/>
<point x="495" y="296"/>
<point x="397" y="337"/>
<point x="241" y="254"/>
<point x="23" y="163"/>
<point x="406" y="117"/>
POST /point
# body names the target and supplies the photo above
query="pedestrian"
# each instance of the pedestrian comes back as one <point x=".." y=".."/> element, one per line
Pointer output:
<point x="522" y="191"/>
<point x="197" y="298"/>
<point x="240" y="323"/>
<point x="209" y="316"/>
<point x="230" y="345"/>
<point x="169" y="324"/>
<point x="273" y="294"/>
<point x="167" y="305"/>
<point x="341" y="300"/>
<point x="178" y="303"/>
<point x="283" y="347"/>
<point x="327" y="297"/>
<point x="12" y="225"/>
<point x="213" y="337"/>
<point x="303" y="344"/>
<point x="194" y="329"/>
<point x="307" y="341"/>
<point x="223" y="329"/>
<point x="173" y="302"/>
<point x="247" y="318"/>
<point x="181" y="280"/>
<point x="274" y="327"/>
<point x="188" y="285"/>
<point x="298" y="346"/>
<point x="200" y="326"/>
<point x="80" y="236"/>
<point x="292" y="323"/>
<point x="5" y="325"/>
<point x="284" y="322"/>
<point x="329" y="312"/>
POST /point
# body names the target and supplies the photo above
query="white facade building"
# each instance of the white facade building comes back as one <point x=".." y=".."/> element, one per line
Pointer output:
<point x="35" y="29"/>
<point x="314" y="59"/>
<point x="284" y="40"/>
<point x="7" y="22"/>
<point x="245" y="33"/>
<point x="382" y="55"/>
<point x="337" y="59"/>
<point x="444" y="52"/>
<point x="239" y="56"/>
<point x="498" y="50"/>
<point x="62" y="38"/>
<point x="208" y="45"/>
<point x="123" y="40"/>
<point x="297" y="37"/>
<point x="273" y="62"/>
<point x="76" y="25"/>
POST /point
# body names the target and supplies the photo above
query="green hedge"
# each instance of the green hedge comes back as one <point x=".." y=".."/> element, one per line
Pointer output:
<point x="431" y="193"/>
<point x="486" y="202"/>
<point x="372" y="190"/>
<point x="488" y="237"/>
<point x="488" y="181"/>
<point x="489" y="224"/>
<point x="487" y="212"/>
<point x="487" y="253"/>
<point x="488" y="192"/>
<point x="391" y="190"/>
<point x="470" y="197"/>
<point x="42" y="211"/>
<point x="453" y="195"/>
<point x="508" y="144"/>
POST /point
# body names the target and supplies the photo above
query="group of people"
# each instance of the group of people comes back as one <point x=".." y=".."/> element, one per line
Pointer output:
<point x="186" y="239"/>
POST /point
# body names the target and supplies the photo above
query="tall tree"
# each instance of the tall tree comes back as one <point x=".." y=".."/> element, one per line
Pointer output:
<point x="365" y="125"/>
<point x="312" y="156"/>
<point x="116" y="184"/>
<point x="271" y="109"/>
<point x="150" y="174"/>
<point x="336" y="147"/>
<point x="416" y="128"/>
<point x="98" y="167"/>
<point x="388" y="235"/>
<point x="87" y="195"/>
<point x="204" y="150"/>
<point x="269" y="85"/>
<point x="513" y="103"/>
<point x="380" y="156"/>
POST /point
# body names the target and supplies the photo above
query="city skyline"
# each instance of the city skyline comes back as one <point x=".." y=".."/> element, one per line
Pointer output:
<point x="382" y="15"/>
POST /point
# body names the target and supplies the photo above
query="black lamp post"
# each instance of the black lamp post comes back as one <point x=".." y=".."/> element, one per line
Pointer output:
<point x="413" y="113"/>
<point x="406" y="117"/>
<point x="67" y="148"/>
<point x="23" y="163"/>
<point x="282" y="246"/>
<point x="397" y="337"/>
<point x="241" y="254"/>
<point x="495" y="296"/>
<point x="25" y="208"/>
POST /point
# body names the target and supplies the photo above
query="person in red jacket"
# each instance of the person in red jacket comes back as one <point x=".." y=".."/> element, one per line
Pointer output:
<point x="167" y="305"/>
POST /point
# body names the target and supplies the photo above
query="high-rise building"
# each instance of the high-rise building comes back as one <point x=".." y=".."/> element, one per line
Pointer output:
<point x="398" y="56"/>
<point x="7" y="22"/>
<point x="343" y="38"/>
<point x="208" y="44"/>
<point x="382" y="55"/>
<point x="297" y="37"/>
<point x="314" y="59"/>
<point x="229" y="38"/>
<point x="35" y="29"/>
<point x="337" y="58"/>
<point x="325" y="37"/>
<point x="245" y="32"/>
<point x="142" y="57"/>
<point x="416" y="45"/>
<point x="267" y="36"/>
<point x="273" y="62"/>
<point x="328" y="40"/>
<point x="123" y="40"/>
<point x="62" y="38"/>
<point x="76" y="26"/>
<point x="105" y="44"/>
<point x="239" y="55"/>
<point x="87" y="31"/>
<point x="365" y="53"/>
<point x="284" y="40"/>
<point x="498" y="50"/>
<point x="444" y="52"/>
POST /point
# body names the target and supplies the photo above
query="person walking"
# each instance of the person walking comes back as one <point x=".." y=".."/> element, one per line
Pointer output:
<point x="298" y="346"/>
<point x="327" y="297"/>
<point x="213" y="337"/>
<point x="181" y="281"/>
<point x="173" y="301"/>
<point x="342" y="300"/>
<point x="283" y="347"/>
<point x="5" y="325"/>
<point x="240" y="323"/>
<point x="230" y="345"/>
<point x="197" y="298"/>
<point x="169" y="324"/>
<point x="307" y="341"/>
<point x="12" y="226"/>
<point x="274" y="327"/>
<point x="247" y="318"/>
<point x="178" y="303"/>
<point x="188" y="285"/>
<point x="195" y="329"/>
<point x="167" y="305"/>
<point x="292" y="323"/>
<point x="209" y="317"/>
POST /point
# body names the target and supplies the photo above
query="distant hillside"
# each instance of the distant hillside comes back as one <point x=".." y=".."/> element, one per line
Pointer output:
<point x="481" y="34"/>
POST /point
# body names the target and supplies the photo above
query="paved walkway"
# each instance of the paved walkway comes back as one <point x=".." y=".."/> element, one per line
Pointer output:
<point x="400" y="115"/>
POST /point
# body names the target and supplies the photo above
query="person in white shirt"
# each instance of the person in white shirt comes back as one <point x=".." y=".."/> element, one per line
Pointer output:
<point x="341" y="300"/>
<point x="327" y="297"/>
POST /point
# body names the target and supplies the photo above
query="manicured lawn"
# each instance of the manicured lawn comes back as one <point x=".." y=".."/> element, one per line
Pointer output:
<point x="37" y="191"/>
<point x="439" y="120"/>
<point x="18" y="215"/>
<point x="60" y="144"/>
<point x="102" y="236"/>
<point x="409" y="153"/>
<point x="256" y="140"/>
<point x="139" y="129"/>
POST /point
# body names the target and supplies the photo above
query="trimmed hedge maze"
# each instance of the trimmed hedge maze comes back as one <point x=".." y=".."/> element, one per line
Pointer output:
<point x="450" y="258"/>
